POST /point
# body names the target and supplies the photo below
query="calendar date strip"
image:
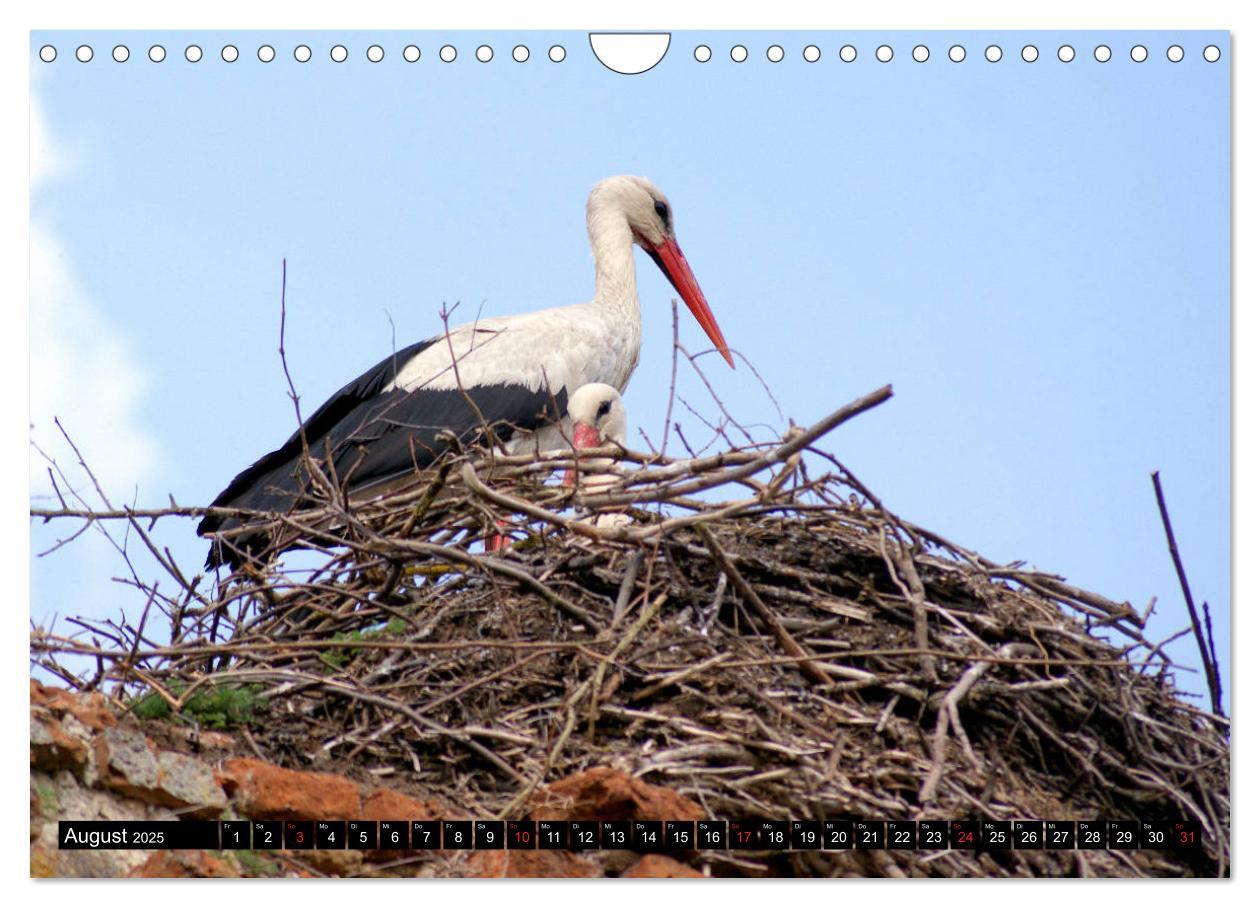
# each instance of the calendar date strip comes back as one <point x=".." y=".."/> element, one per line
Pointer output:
<point x="636" y="835"/>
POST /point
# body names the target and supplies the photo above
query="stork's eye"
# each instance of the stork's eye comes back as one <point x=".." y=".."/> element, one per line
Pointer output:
<point x="662" y="211"/>
<point x="606" y="405"/>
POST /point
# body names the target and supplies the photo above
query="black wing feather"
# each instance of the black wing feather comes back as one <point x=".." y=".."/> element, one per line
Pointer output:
<point x="374" y="436"/>
<point x="333" y="411"/>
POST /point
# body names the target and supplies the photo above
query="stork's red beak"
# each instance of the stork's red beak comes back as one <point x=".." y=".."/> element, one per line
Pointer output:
<point x="584" y="437"/>
<point x="669" y="259"/>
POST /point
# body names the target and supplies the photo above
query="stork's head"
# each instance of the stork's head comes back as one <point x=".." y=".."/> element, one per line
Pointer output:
<point x="598" y="416"/>
<point x="645" y="210"/>
<point x="643" y="206"/>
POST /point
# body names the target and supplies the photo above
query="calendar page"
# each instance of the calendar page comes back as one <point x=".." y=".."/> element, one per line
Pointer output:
<point x="674" y="453"/>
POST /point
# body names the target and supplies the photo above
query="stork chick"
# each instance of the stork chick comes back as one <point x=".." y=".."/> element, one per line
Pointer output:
<point x="598" y="418"/>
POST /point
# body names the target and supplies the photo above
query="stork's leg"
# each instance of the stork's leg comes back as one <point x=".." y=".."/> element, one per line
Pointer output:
<point x="497" y="542"/>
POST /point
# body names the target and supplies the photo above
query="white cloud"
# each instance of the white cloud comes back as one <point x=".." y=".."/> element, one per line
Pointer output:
<point x="48" y="159"/>
<point x="84" y="371"/>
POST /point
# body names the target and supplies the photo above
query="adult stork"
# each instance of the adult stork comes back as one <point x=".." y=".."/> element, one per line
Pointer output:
<point x="511" y="375"/>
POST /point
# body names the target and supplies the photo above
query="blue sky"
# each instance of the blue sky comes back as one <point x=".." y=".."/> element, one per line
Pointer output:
<point x="1035" y="255"/>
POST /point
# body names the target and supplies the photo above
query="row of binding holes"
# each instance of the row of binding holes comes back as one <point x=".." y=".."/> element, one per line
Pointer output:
<point x="957" y="53"/>
<point x="556" y="53"/>
<point x="303" y="53"/>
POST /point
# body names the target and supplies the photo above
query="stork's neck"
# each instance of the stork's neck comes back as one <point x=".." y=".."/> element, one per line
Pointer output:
<point x="612" y="245"/>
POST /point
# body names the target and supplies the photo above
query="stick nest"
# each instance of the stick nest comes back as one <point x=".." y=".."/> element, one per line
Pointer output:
<point x="776" y="648"/>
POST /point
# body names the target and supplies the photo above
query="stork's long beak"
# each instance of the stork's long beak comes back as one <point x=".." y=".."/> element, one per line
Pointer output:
<point x="669" y="259"/>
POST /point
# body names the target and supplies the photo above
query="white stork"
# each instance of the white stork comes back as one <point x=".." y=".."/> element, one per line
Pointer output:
<point x="512" y="374"/>
<point x="598" y="417"/>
